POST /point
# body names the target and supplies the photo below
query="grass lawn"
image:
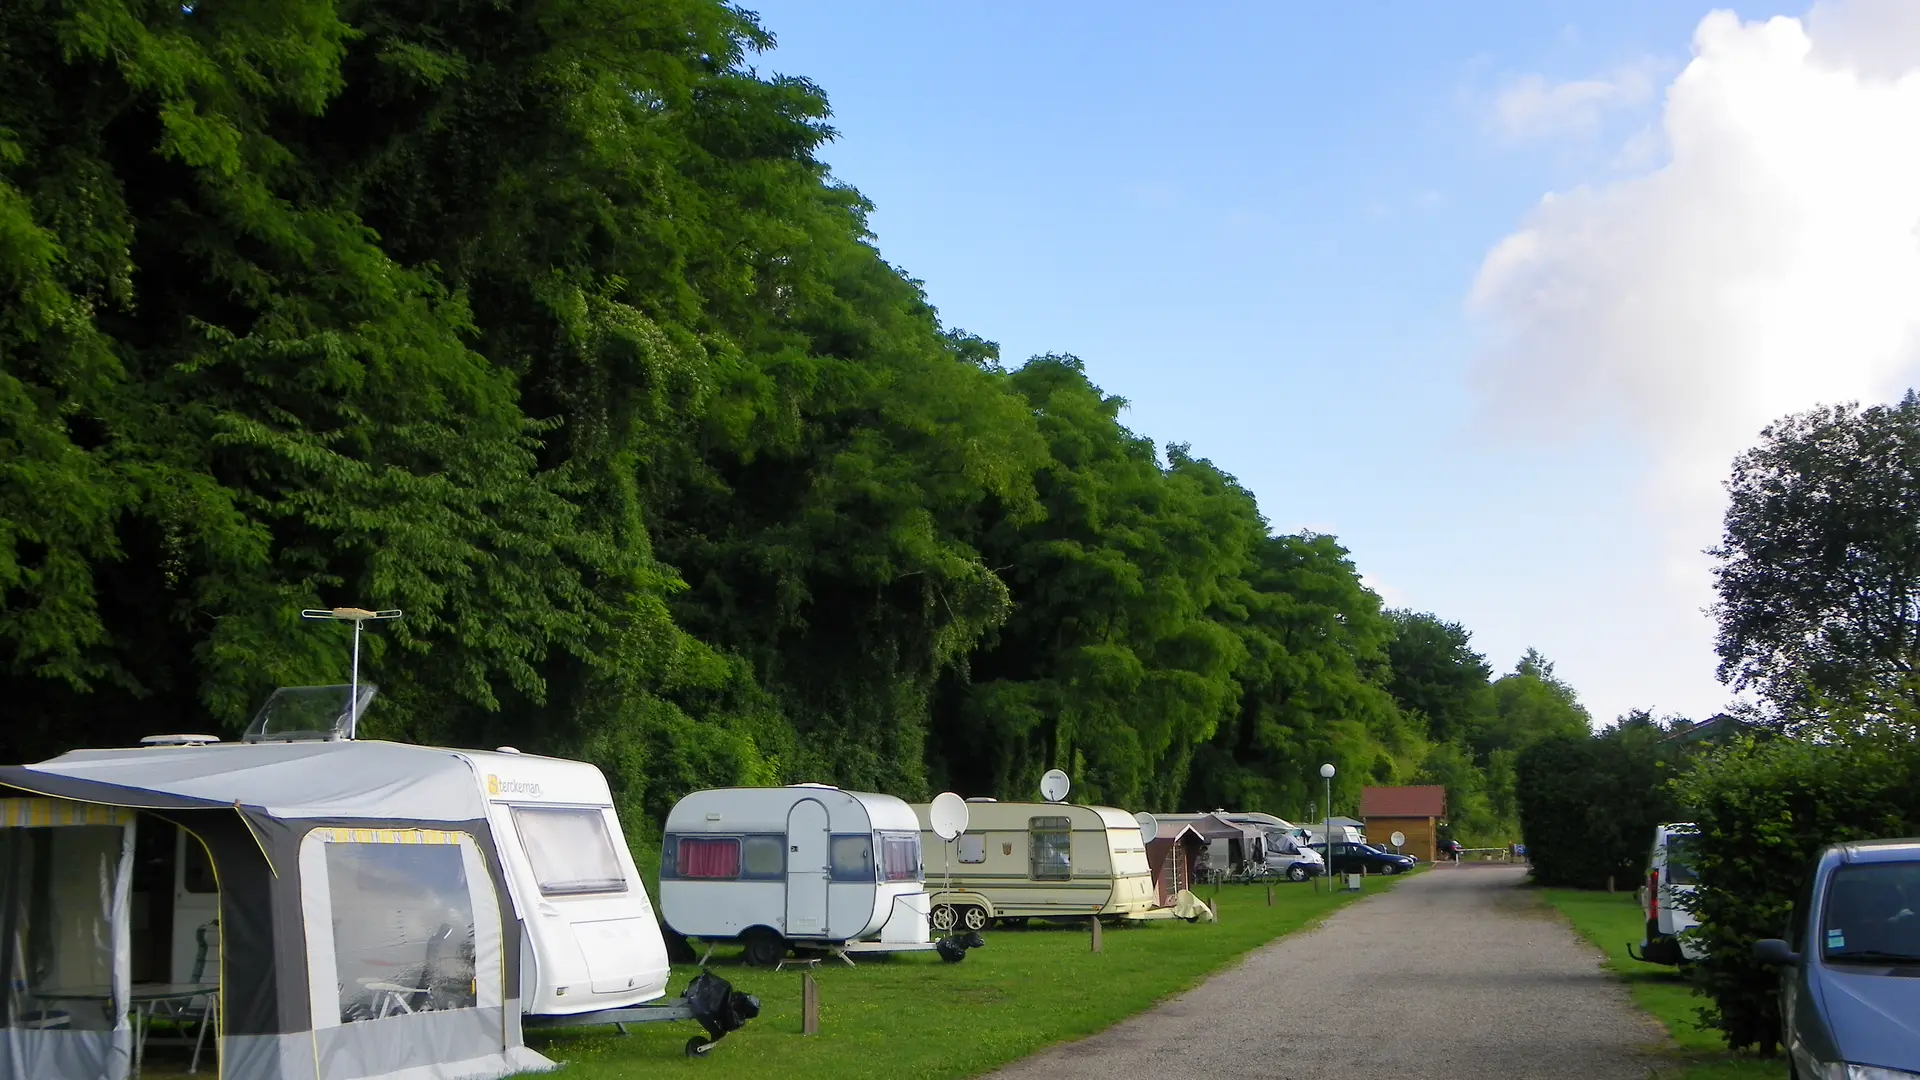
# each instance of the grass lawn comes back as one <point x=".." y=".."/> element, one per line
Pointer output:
<point x="1610" y="921"/>
<point x="914" y="1017"/>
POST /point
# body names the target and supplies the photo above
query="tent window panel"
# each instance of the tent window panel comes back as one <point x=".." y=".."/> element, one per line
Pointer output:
<point x="570" y="849"/>
<point x="851" y="857"/>
<point x="708" y="858"/>
<point x="973" y="848"/>
<point x="1050" y="841"/>
<point x="403" y="928"/>
<point x="57" y="939"/>
<point x="900" y="856"/>
<point x="763" y="857"/>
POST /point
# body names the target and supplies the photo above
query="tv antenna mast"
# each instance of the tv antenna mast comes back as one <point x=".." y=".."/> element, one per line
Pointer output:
<point x="356" y="616"/>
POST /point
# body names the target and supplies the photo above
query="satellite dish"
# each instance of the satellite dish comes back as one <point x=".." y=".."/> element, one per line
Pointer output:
<point x="948" y="815"/>
<point x="1398" y="839"/>
<point x="1149" y="827"/>
<point x="1054" y="785"/>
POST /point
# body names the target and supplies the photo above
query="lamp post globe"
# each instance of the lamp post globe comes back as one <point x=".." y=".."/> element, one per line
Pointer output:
<point x="1326" y="773"/>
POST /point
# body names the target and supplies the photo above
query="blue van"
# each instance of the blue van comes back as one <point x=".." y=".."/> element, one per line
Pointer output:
<point x="1850" y="964"/>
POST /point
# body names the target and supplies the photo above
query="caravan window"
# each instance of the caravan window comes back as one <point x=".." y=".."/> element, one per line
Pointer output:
<point x="973" y="848"/>
<point x="570" y="849"/>
<point x="901" y="856"/>
<point x="707" y="857"/>
<point x="852" y="857"/>
<point x="763" y="857"/>
<point x="1050" y="843"/>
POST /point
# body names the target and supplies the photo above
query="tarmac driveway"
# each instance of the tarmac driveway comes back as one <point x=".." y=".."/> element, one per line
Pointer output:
<point x="1456" y="974"/>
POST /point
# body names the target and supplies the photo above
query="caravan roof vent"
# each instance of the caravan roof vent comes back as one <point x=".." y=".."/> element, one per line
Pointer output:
<point x="179" y="740"/>
<point x="982" y="798"/>
<point x="309" y="714"/>
<point x="505" y="750"/>
<point x="829" y="787"/>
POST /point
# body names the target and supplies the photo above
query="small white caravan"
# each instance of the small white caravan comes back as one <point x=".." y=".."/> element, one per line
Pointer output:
<point x="808" y="865"/>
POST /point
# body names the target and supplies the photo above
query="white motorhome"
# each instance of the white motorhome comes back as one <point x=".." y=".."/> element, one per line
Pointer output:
<point x="808" y="865"/>
<point x="1021" y="860"/>
<point x="1664" y="897"/>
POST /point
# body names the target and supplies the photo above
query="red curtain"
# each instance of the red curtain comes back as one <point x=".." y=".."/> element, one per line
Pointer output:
<point x="705" y="857"/>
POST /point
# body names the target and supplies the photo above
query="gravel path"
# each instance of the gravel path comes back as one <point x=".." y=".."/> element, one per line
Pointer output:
<point x="1456" y="974"/>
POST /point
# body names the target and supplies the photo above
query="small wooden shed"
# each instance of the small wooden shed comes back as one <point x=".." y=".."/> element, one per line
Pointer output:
<point x="1415" y="811"/>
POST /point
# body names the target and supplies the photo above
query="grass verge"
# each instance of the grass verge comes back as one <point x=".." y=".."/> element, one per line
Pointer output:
<point x="913" y="1017"/>
<point x="1610" y="921"/>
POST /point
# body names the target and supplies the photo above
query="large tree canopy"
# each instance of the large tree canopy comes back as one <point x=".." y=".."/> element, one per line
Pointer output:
<point x="1819" y="571"/>
<point x="541" y="321"/>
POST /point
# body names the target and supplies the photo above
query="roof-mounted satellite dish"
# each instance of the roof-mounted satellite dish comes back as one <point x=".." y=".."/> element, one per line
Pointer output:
<point x="1149" y="825"/>
<point x="948" y="815"/>
<point x="1054" y="785"/>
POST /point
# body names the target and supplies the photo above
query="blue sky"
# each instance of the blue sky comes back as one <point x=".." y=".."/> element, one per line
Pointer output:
<point x="1262" y="224"/>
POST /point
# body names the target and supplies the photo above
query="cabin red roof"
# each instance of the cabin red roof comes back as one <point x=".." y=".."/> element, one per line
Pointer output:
<point x="1426" y="801"/>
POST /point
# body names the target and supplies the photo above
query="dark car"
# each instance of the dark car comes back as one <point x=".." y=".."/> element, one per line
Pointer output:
<point x="1850" y="964"/>
<point x="1350" y="858"/>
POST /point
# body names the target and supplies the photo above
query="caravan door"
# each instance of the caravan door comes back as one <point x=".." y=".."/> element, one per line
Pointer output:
<point x="807" y="873"/>
<point x="196" y="907"/>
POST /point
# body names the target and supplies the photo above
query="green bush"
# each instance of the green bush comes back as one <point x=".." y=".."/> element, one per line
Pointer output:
<point x="1765" y="809"/>
<point x="1588" y="805"/>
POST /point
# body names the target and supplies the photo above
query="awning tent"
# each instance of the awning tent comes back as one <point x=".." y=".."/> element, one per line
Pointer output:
<point x="1171" y="857"/>
<point x="365" y="924"/>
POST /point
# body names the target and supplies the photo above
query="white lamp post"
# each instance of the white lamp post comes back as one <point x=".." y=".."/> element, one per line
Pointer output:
<point x="1326" y="773"/>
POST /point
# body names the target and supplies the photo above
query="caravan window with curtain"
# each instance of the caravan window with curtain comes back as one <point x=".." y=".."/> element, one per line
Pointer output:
<point x="707" y="858"/>
<point x="570" y="849"/>
<point x="900" y="856"/>
<point x="1050" y="844"/>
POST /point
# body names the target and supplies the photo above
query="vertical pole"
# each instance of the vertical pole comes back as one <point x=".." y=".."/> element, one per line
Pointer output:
<point x="809" y="1005"/>
<point x="1095" y="922"/>
<point x="1269" y="895"/>
<point x="353" y="689"/>
<point x="1328" y="834"/>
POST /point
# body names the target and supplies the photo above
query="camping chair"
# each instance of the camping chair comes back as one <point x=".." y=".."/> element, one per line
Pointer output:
<point x="393" y="999"/>
<point x="203" y="1011"/>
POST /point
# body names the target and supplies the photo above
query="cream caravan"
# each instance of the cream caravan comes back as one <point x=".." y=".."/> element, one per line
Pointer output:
<point x="1022" y="860"/>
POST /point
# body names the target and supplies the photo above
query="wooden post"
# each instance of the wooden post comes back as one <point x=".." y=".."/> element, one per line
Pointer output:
<point x="809" y="1005"/>
<point x="1095" y="924"/>
<point x="1609" y="882"/>
<point x="1269" y="894"/>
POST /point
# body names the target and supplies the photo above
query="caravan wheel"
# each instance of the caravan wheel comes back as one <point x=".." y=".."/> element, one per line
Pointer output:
<point x="764" y="947"/>
<point x="944" y="918"/>
<point x="974" y="918"/>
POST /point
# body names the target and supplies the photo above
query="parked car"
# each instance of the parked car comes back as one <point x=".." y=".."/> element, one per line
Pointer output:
<point x="1850" y="965"/>
<point x="1352" y="858"/>
<point x="1666" y="895"/>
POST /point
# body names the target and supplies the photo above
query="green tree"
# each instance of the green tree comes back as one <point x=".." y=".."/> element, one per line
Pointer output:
<point x="1436" y="674"/>
<point x="1819" y="571"/>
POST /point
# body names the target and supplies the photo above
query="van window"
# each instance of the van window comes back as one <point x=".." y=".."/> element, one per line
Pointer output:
<point x="1680" y="860"/>
<point x="900" y="856"/>
<point x="1873" y="909"/>
<point x="853" y="857"/>
<point x="707" y="858"/>
<point x="1050" y="845"/>
<point x="570" y="850"/>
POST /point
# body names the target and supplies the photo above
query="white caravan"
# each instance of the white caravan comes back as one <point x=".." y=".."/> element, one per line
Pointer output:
<point x="1020" y="860"/>
<point x="806" y="865"/>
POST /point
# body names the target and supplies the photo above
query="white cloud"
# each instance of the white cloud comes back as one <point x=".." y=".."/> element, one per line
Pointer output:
<point x="1769" y="263"/>
<point x="1532" y="107"/>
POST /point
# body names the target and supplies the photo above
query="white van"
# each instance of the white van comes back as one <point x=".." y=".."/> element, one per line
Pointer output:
<point x="1664" y="898"/>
